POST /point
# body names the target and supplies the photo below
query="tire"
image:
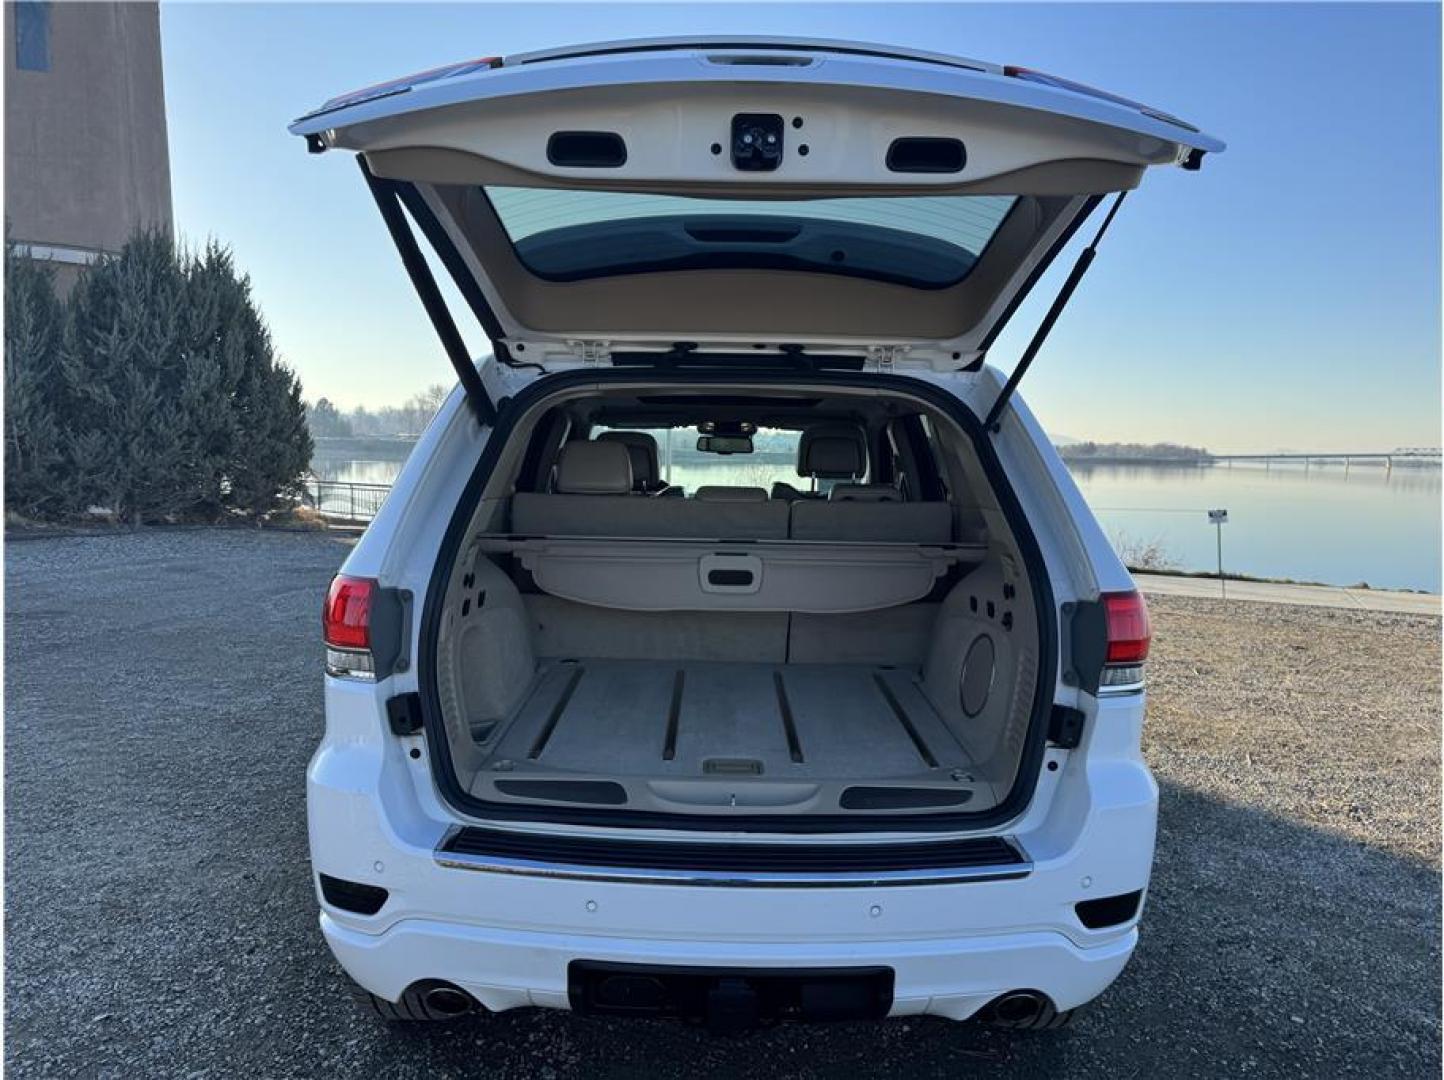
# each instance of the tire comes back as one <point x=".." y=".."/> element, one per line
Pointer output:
<point x="1047" y="1018"/>
<point x="413" y="1006"/>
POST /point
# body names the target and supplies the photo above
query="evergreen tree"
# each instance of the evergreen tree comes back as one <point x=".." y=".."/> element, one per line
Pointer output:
<point x="273" y="446"/>
<point x="270" y="447"/>
<point x="125" y="371"/>
<point x="221" y="345"/>
<point x="169" y="394"/>
<point x="34" y="450"/>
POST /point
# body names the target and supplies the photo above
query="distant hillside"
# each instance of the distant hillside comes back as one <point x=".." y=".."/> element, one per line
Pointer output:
<point x="1097" y="451"/>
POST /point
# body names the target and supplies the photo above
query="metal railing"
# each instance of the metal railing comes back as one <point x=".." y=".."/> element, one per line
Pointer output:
<point x="344" y="501"/>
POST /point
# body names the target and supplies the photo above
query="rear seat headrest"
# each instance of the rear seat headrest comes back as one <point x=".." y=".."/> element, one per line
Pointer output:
<point x="832" y="452"/>
<point x="731" y="494"/>
<point x="594" y="468"/>
<point x="865" y="493"/>
<point x="643" y="450"/>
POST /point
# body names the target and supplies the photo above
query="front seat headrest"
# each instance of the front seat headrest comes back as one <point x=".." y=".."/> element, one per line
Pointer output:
<point x="642" y="448"/>
<point x="594" y="468"/>
<point x="832" y="452"/>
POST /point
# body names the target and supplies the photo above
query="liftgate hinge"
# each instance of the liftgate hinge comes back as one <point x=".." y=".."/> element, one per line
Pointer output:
<point x="883" y="357"/>
<point x="592" y="352"/>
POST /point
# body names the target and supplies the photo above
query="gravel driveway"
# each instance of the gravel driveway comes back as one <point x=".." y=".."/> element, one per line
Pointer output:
<point x="163" y="694"/>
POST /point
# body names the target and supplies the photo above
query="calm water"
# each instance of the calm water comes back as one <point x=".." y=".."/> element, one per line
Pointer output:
<point x="1320" y="523"/>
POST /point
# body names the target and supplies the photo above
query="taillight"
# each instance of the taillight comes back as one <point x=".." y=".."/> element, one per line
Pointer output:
<point x="346" y="626"/>
<point x="1128" y="635"/>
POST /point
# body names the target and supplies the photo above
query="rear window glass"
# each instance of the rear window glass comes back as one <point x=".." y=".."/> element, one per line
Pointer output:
<point x="925" y="241"/>
<point x="773" y="459"/>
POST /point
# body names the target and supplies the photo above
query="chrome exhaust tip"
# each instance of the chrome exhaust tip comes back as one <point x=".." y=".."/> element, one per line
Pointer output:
<point x="1017" y="1008"/>
<point x="448" y="1001"/>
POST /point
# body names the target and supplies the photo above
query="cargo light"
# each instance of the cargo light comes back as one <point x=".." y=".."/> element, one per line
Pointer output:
<point x="1128" y="637"/>
<point x="346" y="627"/>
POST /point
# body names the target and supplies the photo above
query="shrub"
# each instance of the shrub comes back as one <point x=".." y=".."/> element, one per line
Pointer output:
<point x="1142" y="554"/>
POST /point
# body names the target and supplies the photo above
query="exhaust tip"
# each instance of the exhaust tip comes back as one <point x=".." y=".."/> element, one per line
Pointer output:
<point x="1018" y="1009"/>
<point x="445" y="1000"/>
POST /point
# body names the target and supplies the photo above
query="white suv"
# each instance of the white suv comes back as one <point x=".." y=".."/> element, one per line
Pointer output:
<point x="734" y="645"/>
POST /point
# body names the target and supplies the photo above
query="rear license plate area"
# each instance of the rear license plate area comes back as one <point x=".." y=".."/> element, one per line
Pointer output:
<point x="729" y="999"/>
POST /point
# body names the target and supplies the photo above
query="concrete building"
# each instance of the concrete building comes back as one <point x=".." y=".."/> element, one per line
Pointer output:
<point x="86" y="160"/>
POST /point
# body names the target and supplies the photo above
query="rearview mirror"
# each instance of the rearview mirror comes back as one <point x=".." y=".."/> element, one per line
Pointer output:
<point x="725" y="444"/>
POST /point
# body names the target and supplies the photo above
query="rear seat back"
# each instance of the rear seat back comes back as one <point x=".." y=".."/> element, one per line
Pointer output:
<point x="594" y="498"/>
<point x="853" y="511"/>
<point x="716" y="493"/>
<point x="631" y="515"/>
<point x="891" y="522"/>
<point x="594" y="483"/>
<point x="865" y="493"/>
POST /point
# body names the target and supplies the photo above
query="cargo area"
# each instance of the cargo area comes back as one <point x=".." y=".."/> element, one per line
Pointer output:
<point x="697" y="733"/>
<point x="857" y="640"/>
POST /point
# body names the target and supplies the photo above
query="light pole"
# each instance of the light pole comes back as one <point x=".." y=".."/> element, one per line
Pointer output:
<point x="1219" y="519"/>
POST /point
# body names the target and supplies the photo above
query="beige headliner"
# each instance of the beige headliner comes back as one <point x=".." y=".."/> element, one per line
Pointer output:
<point x="767" y="304"/>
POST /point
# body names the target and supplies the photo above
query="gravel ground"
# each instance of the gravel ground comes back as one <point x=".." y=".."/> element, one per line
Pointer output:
<point x="163" y="695"/>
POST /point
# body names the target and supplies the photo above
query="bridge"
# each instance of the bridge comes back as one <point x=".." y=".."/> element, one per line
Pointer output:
<point x="1410" y="455"/>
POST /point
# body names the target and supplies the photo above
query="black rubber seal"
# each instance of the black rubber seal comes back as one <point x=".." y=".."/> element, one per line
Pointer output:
<point x="1029" y="766"/>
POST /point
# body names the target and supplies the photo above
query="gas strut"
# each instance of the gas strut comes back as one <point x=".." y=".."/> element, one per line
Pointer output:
<point x="1085" y="260"/>
<point x="388" y="201"/>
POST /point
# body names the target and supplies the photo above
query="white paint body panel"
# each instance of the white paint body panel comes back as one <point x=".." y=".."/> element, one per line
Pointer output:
<point x="691" y="66"/>
<point x="375" y="815"/>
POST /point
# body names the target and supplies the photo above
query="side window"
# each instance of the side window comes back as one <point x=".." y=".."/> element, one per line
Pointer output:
<point x="32" y="35"/>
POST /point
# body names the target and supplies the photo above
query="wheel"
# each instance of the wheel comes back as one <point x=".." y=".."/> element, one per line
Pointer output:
<point x="423" y="1002"/>
<point x="1027" y="1012"/>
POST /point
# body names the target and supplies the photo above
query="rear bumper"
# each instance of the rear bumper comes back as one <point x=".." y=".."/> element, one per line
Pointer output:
<point x="508" y="935"/>
<point x="506" y="969"/>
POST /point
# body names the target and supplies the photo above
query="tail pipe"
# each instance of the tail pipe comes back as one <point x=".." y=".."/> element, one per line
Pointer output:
<point x="445" y="1000"/>
<point x="1018" y="1008"/>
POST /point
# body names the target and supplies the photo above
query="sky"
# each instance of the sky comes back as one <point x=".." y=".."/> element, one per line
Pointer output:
<point x="1285" y="296"/>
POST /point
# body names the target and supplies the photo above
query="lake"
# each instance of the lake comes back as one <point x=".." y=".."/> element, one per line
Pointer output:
<point x="1315" y="523"/>
<point x="1322" y="523"/>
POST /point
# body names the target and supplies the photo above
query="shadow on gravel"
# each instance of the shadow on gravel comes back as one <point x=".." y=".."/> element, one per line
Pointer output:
<point x="160" y="918"/>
